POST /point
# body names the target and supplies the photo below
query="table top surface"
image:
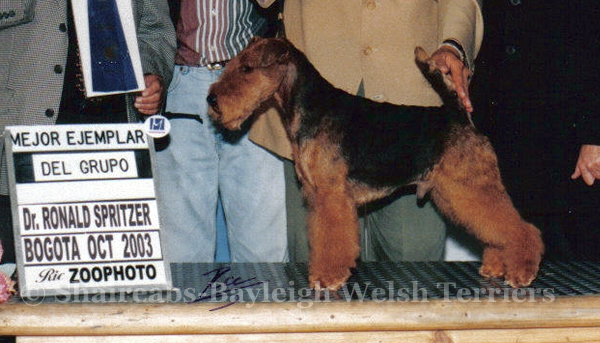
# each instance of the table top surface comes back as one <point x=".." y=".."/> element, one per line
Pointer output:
<point x="274" y="297"/>
<point x="398" y="281"/>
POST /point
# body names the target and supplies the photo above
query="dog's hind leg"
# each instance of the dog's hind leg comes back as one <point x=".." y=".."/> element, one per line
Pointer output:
<point x="332" y="218"/>
<point x="467" y="188"/>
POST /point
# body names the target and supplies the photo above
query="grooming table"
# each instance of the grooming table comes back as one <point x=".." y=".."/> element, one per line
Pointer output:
<point x="383" y="301"/>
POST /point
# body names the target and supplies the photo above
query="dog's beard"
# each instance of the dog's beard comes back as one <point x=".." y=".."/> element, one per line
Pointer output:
<point x="229" y="122"/>
<point x="234" y="124"/>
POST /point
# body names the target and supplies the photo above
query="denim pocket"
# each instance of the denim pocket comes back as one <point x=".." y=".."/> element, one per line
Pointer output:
<point x="176" y="80"/>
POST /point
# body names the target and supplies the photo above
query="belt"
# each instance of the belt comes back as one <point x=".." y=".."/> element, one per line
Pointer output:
<point x="216" y="65"/>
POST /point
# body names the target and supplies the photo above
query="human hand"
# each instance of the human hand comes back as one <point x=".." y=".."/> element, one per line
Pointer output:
<point x="588" y="164"/>
<point x="150" y="100"/>
<point x="448" y="60"/>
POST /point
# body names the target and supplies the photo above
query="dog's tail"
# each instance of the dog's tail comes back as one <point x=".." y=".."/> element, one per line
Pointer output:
<point x="440" y="82"/>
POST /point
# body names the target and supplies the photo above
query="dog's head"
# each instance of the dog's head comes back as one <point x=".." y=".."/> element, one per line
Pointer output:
<point x="250" y="79"/>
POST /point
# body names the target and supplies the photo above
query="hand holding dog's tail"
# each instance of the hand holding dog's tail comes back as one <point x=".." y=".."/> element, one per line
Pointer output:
<point x="448" y="76"/>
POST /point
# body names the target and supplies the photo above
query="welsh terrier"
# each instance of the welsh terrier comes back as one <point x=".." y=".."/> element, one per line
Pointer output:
<point x="349" y="150"/>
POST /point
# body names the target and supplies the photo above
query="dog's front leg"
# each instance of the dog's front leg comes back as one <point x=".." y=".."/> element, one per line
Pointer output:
<point x="332" y="218"/>
<point x="333" y="237"/>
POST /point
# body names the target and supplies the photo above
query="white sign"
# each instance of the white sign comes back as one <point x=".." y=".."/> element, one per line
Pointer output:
<point x="60" y="218"/>
<point x="84" y="209"/>
<point x="78" y="137"/>
<point x="91" y="247"/>
<point x="84" y="166"/>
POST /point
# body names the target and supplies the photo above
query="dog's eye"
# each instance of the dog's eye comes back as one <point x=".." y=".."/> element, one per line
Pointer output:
<point x="246" y="68"/>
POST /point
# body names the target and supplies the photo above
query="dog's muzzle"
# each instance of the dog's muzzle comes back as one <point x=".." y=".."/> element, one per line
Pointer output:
<point x="213" y="103"/>
<point x="212" y="100"/>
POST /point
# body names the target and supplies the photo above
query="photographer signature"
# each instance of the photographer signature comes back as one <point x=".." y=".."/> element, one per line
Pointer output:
<point x="226" y="285"/>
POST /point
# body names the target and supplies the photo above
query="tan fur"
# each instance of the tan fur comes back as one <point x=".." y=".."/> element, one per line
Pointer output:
<point x="332" y="218"/>
<point x="362" y="194"/>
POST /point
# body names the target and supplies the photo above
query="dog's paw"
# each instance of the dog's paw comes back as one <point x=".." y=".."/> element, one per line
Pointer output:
<point x="524" y="257"/>
<point x="515" y="272"/>
<point x="329" y="278"/>
<point x="492" y="266"/>
<point x="521" y="274"/>
<point x="519" y="262"/>
<point x="332" y="286"/>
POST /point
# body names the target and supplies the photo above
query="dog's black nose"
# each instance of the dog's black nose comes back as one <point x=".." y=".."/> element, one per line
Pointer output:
<point x="212" y="99"/>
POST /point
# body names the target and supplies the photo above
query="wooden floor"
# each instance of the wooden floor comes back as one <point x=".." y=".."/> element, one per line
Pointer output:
<point x="566" y="319"/>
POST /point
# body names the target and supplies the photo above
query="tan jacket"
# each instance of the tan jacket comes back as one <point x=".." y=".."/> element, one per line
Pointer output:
<point x="373" y="41"/>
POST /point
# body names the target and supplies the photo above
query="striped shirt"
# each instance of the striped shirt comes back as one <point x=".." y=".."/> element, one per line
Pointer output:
<point x="211" y="31"/>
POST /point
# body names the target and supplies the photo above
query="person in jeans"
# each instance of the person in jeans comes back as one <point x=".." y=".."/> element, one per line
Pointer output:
<point x="200" y="163"/>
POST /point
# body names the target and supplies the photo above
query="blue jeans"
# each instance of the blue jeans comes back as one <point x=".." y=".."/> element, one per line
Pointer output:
<point x="198" y="165"/>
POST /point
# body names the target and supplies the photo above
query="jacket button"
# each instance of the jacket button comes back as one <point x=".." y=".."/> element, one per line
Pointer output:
<point x="511" y="49"/>
<point x="62" y="27"/>
<point x="379" y="98"/>
<point x="58" y="69"/>
<point x="368" y="51"/>
<point x="49" y="113"/>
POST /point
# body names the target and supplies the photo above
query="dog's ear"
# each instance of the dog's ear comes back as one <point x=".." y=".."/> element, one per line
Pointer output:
<point x="274" y="51"/>
<point x="254" y="40"/>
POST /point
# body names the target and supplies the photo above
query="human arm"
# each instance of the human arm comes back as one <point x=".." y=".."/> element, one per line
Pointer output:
<point x="461" y="34"/>
<point x="584" y="80"/>
<point x="588" y="164"/>
<point x="157" y="45"/>
<point x="150" y="100"/>
<point x="451" y="63"/>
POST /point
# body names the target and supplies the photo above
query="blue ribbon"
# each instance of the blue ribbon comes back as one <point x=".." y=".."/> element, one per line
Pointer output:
<point x="112" y="69"/>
